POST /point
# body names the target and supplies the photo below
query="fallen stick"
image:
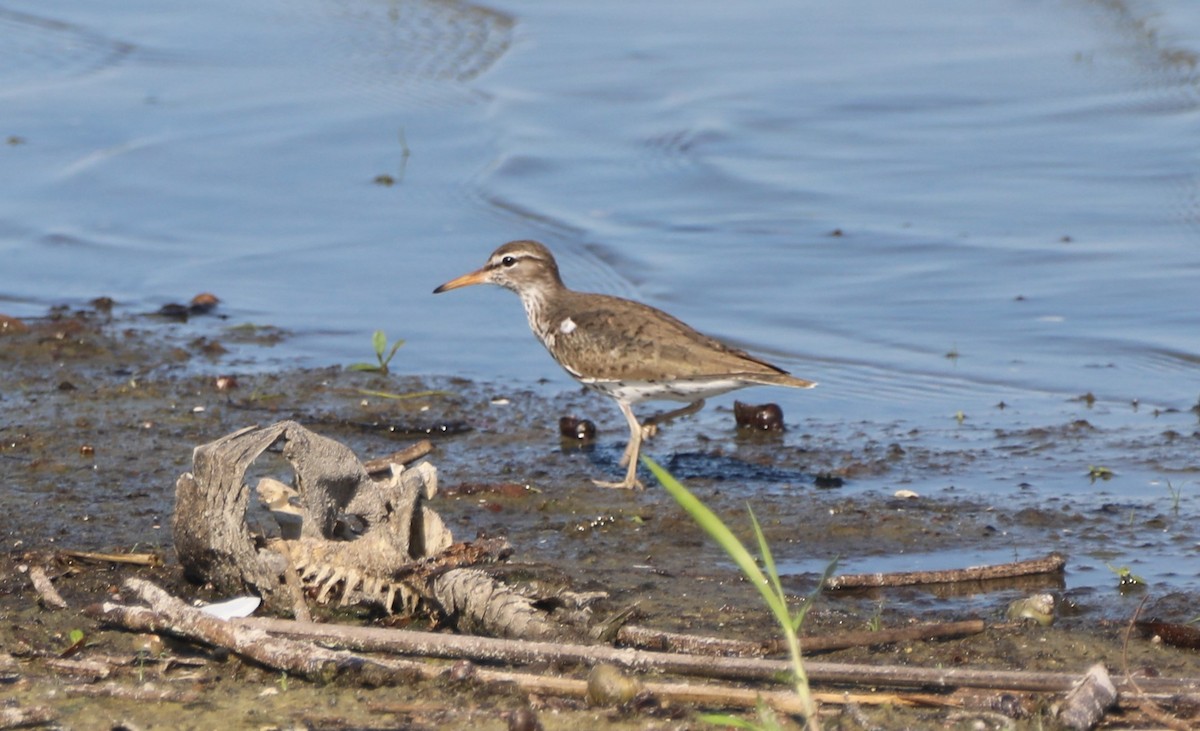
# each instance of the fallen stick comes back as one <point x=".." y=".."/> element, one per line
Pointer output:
<point x="147" y="693"/>
<point x="650" y="639"/>
<point x="517" y="652"/>
<point x="302" y="659"/>
<point x="1053" y="563"/>
<point x="410" y="453"/>
<point x="1138" y="697"/>
<point x="784" y="701"/>
<point x="137" y="559"/>
<point x="92" y="670"/>
<point x="308" y="660"/>
<point x="24" y="717"/>
<point x="870" y="638"/>
<point x="486" y="649"/>
<point x="45" y="589"/>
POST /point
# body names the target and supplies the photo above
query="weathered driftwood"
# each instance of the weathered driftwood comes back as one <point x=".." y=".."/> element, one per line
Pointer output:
<point x="310" y="660"/>
<point x="46" y="592"/>
<point x="491" y="650"/>
<point x="1052" y="563"/>
<point x="1086" y="704"/>
<point x="353" y="531"/>
<point x="359" y="534"/>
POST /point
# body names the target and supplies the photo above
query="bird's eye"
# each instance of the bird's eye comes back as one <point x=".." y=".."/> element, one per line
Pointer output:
<point x="508" y="261"/>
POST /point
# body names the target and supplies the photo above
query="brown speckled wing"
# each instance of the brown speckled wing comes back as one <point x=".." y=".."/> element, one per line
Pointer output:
<point x="619" y="339"/>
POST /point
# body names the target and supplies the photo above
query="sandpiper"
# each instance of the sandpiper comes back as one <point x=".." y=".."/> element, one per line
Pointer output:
<point x="630" y="351"/>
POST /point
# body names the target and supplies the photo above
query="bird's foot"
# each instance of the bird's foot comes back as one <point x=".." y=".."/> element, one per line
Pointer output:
<point x="649" y="430"/>
<point x="636" y="484"/>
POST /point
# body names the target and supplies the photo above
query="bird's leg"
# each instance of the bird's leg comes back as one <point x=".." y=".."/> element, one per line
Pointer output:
<point x="650" y="425"/>
<point x="629" y="459"/>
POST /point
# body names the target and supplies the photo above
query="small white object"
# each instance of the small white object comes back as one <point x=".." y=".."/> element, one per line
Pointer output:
<point x="567" y="326"/>
<point x="906" y="494"/>
<point x="500" y="402"/>
<point x="197" y="409"/>
<point x="242" y="606"/>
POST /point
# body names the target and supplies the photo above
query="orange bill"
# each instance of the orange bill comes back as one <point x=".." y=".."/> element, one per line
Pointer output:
<point x="476" y="277"/>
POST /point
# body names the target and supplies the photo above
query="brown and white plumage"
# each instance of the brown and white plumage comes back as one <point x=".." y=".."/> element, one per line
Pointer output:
<point x="628" y="350"/>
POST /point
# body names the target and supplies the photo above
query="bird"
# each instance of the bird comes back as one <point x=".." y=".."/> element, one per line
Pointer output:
<point x="627" y="350"/>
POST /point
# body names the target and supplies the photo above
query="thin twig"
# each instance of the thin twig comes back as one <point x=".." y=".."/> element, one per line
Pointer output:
<point x="404" y="456"/>
<point x="651" y="639"/>
<point x="137" y="559"/>
<point x="147" y="693"/>
<point x="1145" y="704"/>
<point x="1052" y="563"/>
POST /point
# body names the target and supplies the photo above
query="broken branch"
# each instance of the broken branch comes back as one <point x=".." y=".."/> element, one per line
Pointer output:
<point x="1052" y="563"/>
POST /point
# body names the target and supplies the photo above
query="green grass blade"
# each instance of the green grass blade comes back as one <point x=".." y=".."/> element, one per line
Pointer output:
<point x="811" y="599"/>
<point x="379" y="343"/>
<point x="722" y="719"/>
<point x="764" y="551"/>
<point x="719" y="532"/>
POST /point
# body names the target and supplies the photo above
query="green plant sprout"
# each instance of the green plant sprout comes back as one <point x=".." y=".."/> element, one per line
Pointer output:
<point x="769" y="587"/>
<point x="1176" y="493"/>
<point x="1126" y="578"/>
<point x="379" y="343"/>
<point x="875" y="623"/>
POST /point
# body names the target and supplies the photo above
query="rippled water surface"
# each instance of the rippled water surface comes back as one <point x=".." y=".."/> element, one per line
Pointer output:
<point x="930" y="207"/>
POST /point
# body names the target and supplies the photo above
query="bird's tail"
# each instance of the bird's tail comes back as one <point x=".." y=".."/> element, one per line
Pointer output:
<point x="782" y="379"/>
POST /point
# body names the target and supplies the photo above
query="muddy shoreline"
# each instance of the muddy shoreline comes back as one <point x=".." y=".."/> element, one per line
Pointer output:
<point x="102" y="412"/>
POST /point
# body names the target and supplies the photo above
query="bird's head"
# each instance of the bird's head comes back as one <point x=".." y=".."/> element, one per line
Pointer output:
<point x="522" y="266"/>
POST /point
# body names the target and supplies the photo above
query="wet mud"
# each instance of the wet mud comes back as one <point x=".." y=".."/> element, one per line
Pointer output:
<point x="100" y="415"/>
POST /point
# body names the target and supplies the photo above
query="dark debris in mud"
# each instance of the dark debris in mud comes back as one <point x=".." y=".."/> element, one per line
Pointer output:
<point x="101" y="413"/>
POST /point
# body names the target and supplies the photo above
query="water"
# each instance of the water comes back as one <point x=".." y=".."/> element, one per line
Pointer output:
<point x="929" y="207"/>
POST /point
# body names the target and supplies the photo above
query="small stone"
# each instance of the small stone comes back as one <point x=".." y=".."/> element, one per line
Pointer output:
<point x="1037" y="608"/>
<point x="572" y="428"/>
<point x="524" y="719"/>
<point x="203" y="303"/>
<point x="761" y="417"/>
<point x="608" y="686"/>
<point x="461" y="671"/>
